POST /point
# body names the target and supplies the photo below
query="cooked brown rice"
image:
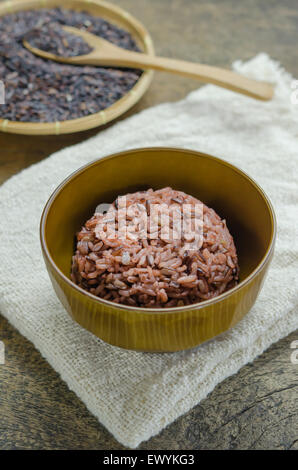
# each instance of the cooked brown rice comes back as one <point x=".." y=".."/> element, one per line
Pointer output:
<point x="154" y="272"/>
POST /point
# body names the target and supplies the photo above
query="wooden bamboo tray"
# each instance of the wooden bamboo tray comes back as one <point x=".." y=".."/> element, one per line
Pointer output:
<point x="111" y="13"/>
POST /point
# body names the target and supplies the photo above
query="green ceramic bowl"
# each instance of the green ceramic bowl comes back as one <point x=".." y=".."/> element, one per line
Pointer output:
<point x="234" y="196"/>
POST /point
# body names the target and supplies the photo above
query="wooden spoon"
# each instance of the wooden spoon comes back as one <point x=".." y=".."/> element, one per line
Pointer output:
<point x="105" y="53"/>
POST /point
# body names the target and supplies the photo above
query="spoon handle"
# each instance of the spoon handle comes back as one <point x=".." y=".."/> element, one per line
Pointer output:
<point x="205" y="73"/>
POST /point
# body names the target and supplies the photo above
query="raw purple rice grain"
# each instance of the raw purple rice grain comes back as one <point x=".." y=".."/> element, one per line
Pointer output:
<point x="39" y="90"/>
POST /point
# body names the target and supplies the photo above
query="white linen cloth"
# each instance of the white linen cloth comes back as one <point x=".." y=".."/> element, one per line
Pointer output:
<point x="135" y="394"/>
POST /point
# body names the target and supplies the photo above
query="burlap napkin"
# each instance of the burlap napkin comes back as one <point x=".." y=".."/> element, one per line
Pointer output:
<point x="134" y="394"/>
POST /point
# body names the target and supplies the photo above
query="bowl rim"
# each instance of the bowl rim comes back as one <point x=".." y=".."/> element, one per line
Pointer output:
<point x="194" y="306"/>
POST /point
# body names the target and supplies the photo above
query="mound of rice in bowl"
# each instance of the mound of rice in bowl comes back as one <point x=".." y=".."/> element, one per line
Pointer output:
<point x="155" y="249"/>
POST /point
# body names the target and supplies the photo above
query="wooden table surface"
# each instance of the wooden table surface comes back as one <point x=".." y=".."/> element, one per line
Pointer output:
<point x="254" y="409"/>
